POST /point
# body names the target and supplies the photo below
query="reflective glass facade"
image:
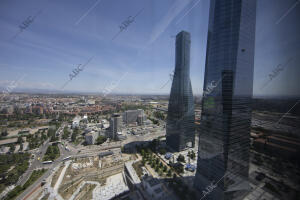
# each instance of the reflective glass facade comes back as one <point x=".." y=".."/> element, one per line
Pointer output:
<point x="181" y="116"/>
<point x="224" y="142"/>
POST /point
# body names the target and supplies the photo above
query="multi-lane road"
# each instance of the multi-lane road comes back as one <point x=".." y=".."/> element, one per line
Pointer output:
<point x="37" y="164"/>
<point x="73" y="152"/>
<point x="63" y="154"/>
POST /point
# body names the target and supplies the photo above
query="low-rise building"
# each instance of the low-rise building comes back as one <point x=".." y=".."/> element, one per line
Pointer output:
<point x="76" y="122"/>
<point x="134" y="116"/>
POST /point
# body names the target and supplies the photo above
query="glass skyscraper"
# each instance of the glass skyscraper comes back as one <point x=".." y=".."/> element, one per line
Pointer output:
<point x="181" y="116"/>
<point x="224" y="141"/>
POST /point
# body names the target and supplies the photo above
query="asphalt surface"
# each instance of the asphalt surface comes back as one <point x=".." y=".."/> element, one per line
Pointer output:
<point x="37" y="164"/>
<point x="74" y="152"/>
<point x="63" y="154"/>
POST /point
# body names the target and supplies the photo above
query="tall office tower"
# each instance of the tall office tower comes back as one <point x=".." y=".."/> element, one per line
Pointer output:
<point x="181" y="115"/>
<point x="224" y="141"/>
<point x="115" y="126"/>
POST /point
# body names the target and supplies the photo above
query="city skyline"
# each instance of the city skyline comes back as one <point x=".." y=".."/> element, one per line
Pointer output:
<point x="162" y="100"/>
<point x="54" y="42"/>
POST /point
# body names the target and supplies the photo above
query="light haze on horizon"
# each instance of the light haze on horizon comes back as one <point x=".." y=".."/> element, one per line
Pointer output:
<point x="66" y="34"/>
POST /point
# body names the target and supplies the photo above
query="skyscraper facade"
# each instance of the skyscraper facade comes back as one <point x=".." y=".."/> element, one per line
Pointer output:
<point x="224" y="141"/>
<point x="181" y="116"/>
<point x="115" y="126"/>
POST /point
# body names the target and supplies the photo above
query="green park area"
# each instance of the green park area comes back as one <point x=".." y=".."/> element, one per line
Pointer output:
<point x="12" y="166"/>
<point x="52" y="153"/>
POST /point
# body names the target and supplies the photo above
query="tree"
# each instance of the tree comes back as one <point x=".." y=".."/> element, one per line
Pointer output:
<point x="165" y="168"/>
<point x="180" y="158"/>
<point x="157" y="161"/>
<point x="52" y="153"/>
<point x="179" y="168"/>
<point x="4" y="133"/>
<point x="159" y="115"/>
<point x="21" y="146"/>
<point x="160" y="173"/>
<point x="101" y="139"/>
<point x="193" y="155"/>
<point x="162" y="151"/>
<point x="174" y="177"/>
<point x="142" y="152"/>
<point x="169" y="173"/>
<point x="152" y="164"/>
<point x="156" y="168"/>
<point x="43" y="136"/>
<point x="12" y="148"/>
<point x="66" y="133"/>
<point x="160" y="165"/>
<point x="20" y="140"/>
<point x="73" y="136"/>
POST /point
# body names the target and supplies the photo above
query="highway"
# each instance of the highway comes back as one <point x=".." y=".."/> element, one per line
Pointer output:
<point x="34" y="164"/>
<point x="50" y="167"/>
<point x="74" y="152"/>
<point x="37" y="164"/>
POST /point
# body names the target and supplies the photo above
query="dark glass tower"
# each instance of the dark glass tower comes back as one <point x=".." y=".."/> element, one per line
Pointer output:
<point x="181" y="115"/>
<point x="224" y="141"/>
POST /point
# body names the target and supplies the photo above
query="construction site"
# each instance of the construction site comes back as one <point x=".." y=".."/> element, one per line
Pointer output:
<point x="94" y="177"/>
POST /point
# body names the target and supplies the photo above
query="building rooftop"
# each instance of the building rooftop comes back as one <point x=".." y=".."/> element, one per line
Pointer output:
<point x="132" y="172"/>
<point x="8" y="141"/>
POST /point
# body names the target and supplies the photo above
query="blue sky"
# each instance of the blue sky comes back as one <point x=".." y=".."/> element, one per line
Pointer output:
<point x="69" y="32"/>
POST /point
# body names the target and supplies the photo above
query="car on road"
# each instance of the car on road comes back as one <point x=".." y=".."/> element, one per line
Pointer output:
<point x="43" y="182"/>
<point x="67" y="158"/>
<point x="47" y="162"/>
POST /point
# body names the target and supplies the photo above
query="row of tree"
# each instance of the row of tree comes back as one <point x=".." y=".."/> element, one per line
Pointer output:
<point x="159" y="115"/>
<point x="19" y="189"/>
<point x="12" y="166"/>
<point x="180" y="189"/>
<point x="149" y="158"/>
